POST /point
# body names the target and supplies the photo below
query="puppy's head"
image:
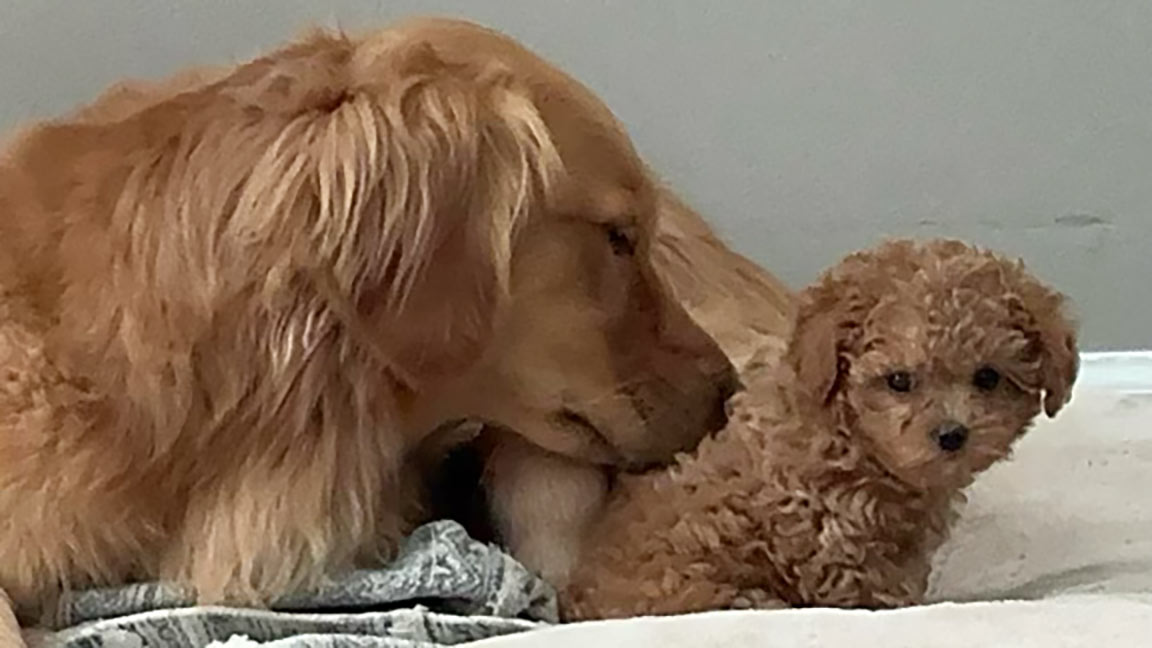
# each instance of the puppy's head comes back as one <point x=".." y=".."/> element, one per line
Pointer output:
<point x="933" y="357"/>
<point x="482" y="223"/>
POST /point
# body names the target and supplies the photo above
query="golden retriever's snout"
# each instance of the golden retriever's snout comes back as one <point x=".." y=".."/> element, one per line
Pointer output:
<point x="714" y="382"/>
<point x="720" y="382"/>
<point x="683" y="400"/>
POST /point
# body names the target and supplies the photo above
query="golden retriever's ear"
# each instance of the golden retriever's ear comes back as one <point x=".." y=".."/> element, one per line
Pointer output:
<point x="814" y="351"/>
<point x="1052" y="337"/>
<point x="406" y="177"/>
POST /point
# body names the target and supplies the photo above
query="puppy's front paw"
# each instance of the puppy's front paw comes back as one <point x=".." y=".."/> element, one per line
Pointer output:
<point x="756" y="599"/>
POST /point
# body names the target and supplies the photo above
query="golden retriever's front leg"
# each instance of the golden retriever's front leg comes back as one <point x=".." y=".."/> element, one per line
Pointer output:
<point x="269" y="528"/>
<point x="541" y="504"/>
<point x="9" y="627"/>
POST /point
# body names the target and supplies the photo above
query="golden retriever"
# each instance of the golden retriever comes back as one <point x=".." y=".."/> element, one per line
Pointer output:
<point x="232" y="305"/>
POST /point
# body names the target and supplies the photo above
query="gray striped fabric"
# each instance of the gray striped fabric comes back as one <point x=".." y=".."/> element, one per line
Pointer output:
<point x="444" y="588"/>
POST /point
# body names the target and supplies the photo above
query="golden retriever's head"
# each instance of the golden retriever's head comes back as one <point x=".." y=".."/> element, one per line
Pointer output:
<point x="934" y="357"/>
<point x="592" y="357"/>
<point x="482" y="224"/>
<point x="565" y="334"/>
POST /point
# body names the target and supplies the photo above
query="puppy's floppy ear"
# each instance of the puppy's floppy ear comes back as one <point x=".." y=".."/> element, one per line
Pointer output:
<point x="1060" y="366"/>
<point x="1052" y="336"/>
<point x="814" y="351"/>
<point x="406" y="177"/>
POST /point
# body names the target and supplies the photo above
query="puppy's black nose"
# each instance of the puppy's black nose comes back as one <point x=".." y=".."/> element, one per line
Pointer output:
<point x="951" y="436"/>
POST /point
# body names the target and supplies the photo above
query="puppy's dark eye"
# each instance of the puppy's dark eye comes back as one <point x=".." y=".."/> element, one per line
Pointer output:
<point x="899" y="381"/>
<point x="986" y="378"/>
<point x="621" y="244"/>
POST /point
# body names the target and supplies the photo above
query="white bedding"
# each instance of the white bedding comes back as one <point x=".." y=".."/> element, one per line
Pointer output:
<point x="1054" y="549"/>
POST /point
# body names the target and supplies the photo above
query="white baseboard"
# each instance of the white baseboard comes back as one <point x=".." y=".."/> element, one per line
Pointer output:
<point x="1126" y="371"/>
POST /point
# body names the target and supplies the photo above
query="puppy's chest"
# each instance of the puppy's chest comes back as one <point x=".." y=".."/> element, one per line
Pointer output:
<point x="802" y="517"/>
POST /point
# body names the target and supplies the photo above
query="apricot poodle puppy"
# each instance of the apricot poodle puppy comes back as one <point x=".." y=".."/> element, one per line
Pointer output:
<point x="911" y="368"/>
<point x="233" y="304"/>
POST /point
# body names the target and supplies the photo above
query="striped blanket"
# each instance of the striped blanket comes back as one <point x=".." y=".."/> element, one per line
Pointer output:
<point x="444" y="588"/>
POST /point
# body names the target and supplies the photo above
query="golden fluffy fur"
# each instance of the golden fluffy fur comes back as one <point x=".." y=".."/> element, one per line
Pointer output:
<point x="738" y="303"/>
<point x="232" y="304"/>
<point x="836" y="478"/>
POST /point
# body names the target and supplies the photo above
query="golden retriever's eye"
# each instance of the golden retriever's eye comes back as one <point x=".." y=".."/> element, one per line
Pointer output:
<point x="986" y="378"/>
<point x="621" y="244"/>
<point x="899" y="381"/>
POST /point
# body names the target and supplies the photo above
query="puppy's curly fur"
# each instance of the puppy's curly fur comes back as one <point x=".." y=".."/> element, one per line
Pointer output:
<point x="911" y="369"/>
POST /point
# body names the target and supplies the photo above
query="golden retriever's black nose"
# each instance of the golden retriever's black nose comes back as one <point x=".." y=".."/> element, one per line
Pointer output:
<point x="951" y="436"/>
<point x="727" y="383"/>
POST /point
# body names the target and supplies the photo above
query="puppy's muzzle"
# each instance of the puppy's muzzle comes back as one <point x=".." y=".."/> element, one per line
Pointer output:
<point x="951" y="436"/>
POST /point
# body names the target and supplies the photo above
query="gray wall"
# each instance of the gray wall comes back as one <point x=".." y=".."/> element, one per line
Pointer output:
<point x="803" y="129"/>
